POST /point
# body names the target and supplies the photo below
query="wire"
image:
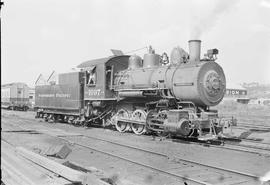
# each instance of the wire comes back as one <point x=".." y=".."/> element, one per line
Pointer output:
<point x="145" y="47"/>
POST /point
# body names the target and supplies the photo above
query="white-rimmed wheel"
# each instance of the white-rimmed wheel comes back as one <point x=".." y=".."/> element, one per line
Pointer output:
<point x="121" y="126"/>
<point x="140" y="116"/>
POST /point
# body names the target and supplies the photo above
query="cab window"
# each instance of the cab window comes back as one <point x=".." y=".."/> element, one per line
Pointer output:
<point x="91" y="76"/>
<point x="108" y="76"/>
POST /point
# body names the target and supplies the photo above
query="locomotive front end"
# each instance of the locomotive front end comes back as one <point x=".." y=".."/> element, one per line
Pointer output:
<point x="196" y="84"/>
<point x="200" y="81"/>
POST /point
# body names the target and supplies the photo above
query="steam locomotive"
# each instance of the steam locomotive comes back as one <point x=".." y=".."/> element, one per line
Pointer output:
<point x="154" y="94"/>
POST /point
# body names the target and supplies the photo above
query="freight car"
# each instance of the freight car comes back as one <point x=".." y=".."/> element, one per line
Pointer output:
<point x="153" y="94"/>
<point x="15" y="96"/>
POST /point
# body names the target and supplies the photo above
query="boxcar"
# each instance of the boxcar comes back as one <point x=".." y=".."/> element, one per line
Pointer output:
<point x="15" y="96"/>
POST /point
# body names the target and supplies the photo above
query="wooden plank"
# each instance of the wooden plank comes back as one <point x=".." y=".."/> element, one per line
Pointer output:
<point x="66" y="172"/>
<point x="89" y="171"/>
<point x="53" y="166"/>
<point x="13" y="175"/>
<point x="18" y="170"/>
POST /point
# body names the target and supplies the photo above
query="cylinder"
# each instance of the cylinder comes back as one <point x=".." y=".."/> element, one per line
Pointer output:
<point x="177" y="123"/>
<point x="194" y="50"/>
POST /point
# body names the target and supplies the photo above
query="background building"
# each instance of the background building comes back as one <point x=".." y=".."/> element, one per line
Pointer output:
<point x="236" y="93"/>
<point x="32" y="97"/>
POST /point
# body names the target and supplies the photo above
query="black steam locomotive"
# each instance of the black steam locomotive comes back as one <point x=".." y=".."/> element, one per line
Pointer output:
<point x="153" y="94"/>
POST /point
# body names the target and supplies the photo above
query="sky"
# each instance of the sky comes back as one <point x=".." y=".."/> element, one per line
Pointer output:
<point x="39" y="36"/>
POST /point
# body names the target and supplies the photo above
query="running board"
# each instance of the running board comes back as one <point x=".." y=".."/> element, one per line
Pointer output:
<point x="130" y="121"/>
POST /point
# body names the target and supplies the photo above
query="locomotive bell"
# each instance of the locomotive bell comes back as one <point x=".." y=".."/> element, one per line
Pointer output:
<point x="151" y="59"/>
<point x="194" y="50"/>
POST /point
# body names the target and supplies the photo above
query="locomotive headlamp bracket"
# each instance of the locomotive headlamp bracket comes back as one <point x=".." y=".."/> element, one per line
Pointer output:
<point x="211" y="54"/>
<point x="212" y="51"/>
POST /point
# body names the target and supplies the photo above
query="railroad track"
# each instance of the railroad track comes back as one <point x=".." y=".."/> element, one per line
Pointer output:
<point x="246" y="148"/>
<point x="227" y="145"/>
<point x="256" y="141"/>
<point x="253" y="126"/>
<point x="21" y="166"/>
<point x="234" y="146"/>
<point x="181" y="169"/>
<point x="220" y="175"/>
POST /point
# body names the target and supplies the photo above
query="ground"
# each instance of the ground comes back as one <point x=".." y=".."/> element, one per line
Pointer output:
<point x="125" y="172"/>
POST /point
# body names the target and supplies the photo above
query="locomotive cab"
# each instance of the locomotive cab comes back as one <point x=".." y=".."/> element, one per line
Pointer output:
<point x="100" y="75"/>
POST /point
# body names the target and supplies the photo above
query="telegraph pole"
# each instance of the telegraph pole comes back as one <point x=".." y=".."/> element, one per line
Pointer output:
<point x="1" y="3"/>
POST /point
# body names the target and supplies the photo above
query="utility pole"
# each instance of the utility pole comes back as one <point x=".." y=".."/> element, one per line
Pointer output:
<point x="1" y="3"/>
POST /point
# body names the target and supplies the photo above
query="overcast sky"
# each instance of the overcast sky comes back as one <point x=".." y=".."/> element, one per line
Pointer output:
<point x="39" y="36"/>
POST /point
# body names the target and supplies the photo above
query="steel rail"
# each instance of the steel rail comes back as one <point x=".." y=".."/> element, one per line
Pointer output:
<point x="164" y="155"/>
<point x="212" y="145"/>
<point x="140" y="164"/>
<point x="266" y="128"/>
<point x="225" y="147"/>
<point x="156" y="153"/>
<point x="131" y="161"/>
<point x="128" y="146"/>
<point x="255" y="141"/>
<point x="245" y="124"/>
<point x="249" y="146"/>
<point x="234" y="149"/>
<point x="241" y="150"/>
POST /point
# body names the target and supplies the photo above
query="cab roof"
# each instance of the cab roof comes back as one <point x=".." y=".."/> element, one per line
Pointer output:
<point x="103" y="61"/>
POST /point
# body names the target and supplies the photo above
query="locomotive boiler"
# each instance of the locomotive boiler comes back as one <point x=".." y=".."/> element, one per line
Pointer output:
<point x="150" y="94"/>
<point x="201" y="82"/>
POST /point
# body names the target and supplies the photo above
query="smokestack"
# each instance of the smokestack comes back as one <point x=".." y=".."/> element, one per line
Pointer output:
<point x="194" y="50"/>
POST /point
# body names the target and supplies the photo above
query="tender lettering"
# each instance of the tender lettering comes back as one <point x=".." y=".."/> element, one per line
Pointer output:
<point x="46" y="95"/>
